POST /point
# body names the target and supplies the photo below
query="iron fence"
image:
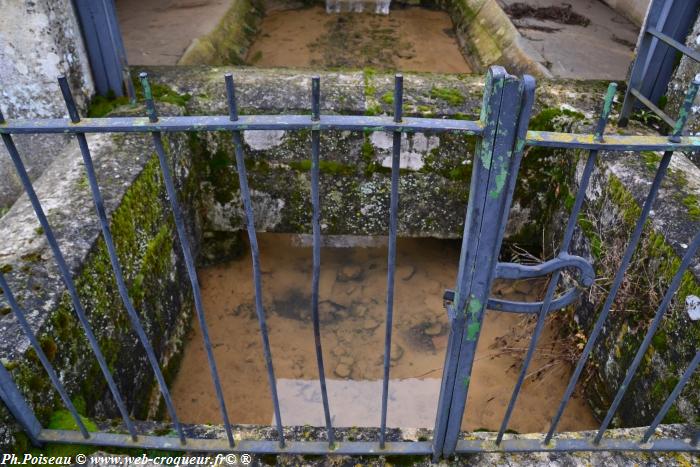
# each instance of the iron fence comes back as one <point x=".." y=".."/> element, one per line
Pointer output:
<point x="502" y="133"/>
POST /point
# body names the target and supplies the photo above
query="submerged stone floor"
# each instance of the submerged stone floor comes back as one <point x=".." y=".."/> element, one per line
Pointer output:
<point x="352" y="312"/>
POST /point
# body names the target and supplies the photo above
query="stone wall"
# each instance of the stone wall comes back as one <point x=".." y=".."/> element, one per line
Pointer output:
<point x="39" y="41"/>
<point x="228" y="43"/>
<point x="614" y="198"/>
<point x="487" y="37"/>
<point x="355" y="165"/>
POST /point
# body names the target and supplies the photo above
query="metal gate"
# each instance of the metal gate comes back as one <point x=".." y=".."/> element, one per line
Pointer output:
<point x="502" y="132"/>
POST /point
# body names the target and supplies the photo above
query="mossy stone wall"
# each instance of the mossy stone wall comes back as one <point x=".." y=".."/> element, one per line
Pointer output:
<point x="153" y="267"/>
<point x="614" y="202"/>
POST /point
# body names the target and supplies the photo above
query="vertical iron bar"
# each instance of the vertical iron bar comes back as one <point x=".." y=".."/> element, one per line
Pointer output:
<point x="493" y="175"/>
<point x="554" y="281"/>
<point x="67" y="280"/>
<point x="114" y="259"/>
<point x="186" y="252"/>
<point x="672" y="397"/>
<point x="391" y="255"/>
<point x="18" y="407"/>
<point x="490" y="108"/>
<point x="675" y="283"/>
<point x="624" y="264"/>
<point x="21" y="318"/>
<point x="685" y="110"/>
<point x="255" y="253"/>
<point x="645" y="46"/>
<point x="316" y="226"/>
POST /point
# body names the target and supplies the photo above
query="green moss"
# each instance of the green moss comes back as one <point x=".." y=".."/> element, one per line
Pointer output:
<point x="388" y="98"/>
<point x="426" y="111"/>
<point x="691" y="203"/>
<point x="101" y="106"/>
<point x="652" y="270"/>
<point x="63" y="420"/>
<point x="373" y="109"/>
<point x="406" y="460"/>
<point x="229" y="41"/>
<point x="660" y="341"/>
<point x="463" y="116"/>
<point x="450" y="95"/>
<point x="215" y="168"/>
<point x="545" y="177"/>
<point x="369" y="74"/>
<point x="325" y="166"/>
<point x="547" y="119"/>
<point x="144" y="234"/>
<point x="589" y="230"/>
<point x="31" y="257"/>
<point x="651" y="160"/>
<point x="369" y="158"/>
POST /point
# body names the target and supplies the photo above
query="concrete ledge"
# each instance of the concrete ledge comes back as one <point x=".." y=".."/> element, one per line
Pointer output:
<point x="307" y="433"/>
<point x="228" y="43"/>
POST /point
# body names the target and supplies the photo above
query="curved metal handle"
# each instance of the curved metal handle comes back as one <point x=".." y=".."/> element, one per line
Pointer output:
<point x="515" y="271"/>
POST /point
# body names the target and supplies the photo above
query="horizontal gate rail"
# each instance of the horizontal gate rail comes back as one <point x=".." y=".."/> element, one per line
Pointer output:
<point x="546" y="139"/>
<point x="464" y="446"/>
<point x="503" y="134"/>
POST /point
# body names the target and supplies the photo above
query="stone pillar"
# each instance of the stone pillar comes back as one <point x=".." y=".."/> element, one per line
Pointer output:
<point x="39" y="41"/>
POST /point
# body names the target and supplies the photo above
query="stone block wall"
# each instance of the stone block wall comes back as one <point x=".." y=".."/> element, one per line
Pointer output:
<point x="39" y="41"/>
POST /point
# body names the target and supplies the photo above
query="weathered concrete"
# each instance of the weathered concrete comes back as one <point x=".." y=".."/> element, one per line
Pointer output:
<point x="635" y="10"/>
<point x="39" y="41"/>
<point x="596" y="44"/>
<point x="307" y="433"/>
<point x="487" y="37"/>
<point x="228" y="43"/>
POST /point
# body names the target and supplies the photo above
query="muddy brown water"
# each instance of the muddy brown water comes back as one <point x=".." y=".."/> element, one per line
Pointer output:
<point x="410" y="39"/>
<point x="353" y="298"/>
